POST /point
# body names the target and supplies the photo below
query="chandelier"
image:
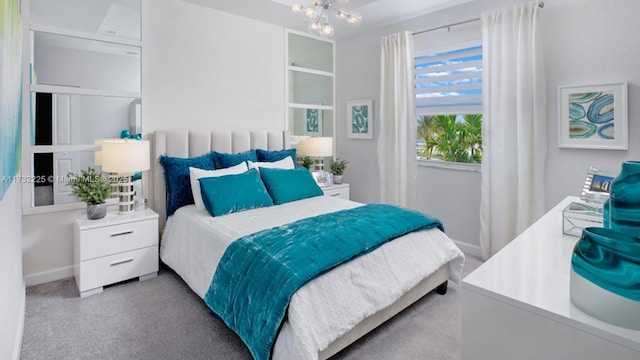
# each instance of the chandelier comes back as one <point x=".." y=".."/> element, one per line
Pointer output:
<point x="317" y="13"/>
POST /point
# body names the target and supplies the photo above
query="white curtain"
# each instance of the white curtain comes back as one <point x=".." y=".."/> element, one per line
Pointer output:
<point x="397" y="136"/>
<point x="513" y="134"/>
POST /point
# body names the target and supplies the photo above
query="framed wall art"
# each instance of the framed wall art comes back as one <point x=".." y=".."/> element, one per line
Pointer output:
<point x="313" y="122"/>
<point x="360" y="119"/>
<point x="593" y="116"/>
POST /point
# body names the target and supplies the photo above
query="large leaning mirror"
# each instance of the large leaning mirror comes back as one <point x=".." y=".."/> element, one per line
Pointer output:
<point x="120" y="18"/>
<point x="60" y="60"/>
<point x="85" y="85"/>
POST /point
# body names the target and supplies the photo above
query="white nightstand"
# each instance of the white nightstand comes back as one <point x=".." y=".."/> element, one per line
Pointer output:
<point x="115" y="248"/>
<point x="337" y="190"/>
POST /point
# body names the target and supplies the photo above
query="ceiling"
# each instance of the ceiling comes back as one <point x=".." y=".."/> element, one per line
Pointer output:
<point x="375" y="13"/>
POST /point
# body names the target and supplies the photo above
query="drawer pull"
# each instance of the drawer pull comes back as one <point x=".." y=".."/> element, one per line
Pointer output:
<point x="336" y="194"/>
<point x="120" y="262"/>
<point x="121" y="233"/>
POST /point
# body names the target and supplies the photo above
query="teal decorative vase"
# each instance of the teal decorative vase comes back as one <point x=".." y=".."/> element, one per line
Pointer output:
<point x="624" y="200"/>
<point x="605" y="276"/>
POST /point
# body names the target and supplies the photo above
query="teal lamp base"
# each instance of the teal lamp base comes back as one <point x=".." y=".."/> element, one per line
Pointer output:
<point x="605" y="276"/>
<point x="602" y="304"/>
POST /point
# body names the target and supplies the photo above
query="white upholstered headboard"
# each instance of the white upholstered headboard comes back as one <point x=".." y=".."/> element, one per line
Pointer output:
<point x="187" y="143"/>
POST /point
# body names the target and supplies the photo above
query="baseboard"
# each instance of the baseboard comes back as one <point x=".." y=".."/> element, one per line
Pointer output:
<point x="49" y="276"/>
<point x="468" y="248"/>
<point x="17" y="347"/>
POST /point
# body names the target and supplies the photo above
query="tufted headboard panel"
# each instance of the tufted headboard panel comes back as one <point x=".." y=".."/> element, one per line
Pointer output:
<point x="185" y="143"/>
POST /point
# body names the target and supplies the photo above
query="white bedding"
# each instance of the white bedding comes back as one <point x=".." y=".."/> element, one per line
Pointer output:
<point x="324" y="309"/>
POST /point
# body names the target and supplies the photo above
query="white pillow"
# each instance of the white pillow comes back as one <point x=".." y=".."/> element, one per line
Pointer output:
<point x="195" y="174"/>
<point x="286" y="163"/>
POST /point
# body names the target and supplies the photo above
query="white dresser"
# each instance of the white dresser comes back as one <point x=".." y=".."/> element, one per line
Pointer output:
<point x="115" y="248"/>
<point x="517" y="306"/>
<point x="337" y="190"/>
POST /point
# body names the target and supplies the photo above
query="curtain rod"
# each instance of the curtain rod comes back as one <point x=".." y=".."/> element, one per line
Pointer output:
<point x="540" y="5"/>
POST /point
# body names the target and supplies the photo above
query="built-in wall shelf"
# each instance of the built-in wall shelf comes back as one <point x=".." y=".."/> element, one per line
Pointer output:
<point x="310" y="97"/>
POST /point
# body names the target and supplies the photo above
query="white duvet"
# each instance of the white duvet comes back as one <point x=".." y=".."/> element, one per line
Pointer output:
<point x="327" y="307"/>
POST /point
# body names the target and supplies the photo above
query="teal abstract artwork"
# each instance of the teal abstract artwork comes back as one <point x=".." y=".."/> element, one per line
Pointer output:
<point x="10" y="92"/>
<point x="360" y="119"/>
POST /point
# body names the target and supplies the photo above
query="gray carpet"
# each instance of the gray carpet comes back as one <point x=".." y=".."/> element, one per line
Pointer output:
<point x="162" y="319"/>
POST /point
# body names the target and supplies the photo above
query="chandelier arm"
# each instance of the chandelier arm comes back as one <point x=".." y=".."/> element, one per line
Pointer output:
<point x="322" y="14"/>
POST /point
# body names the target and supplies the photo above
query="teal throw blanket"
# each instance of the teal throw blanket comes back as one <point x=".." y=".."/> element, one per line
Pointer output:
<point x="259" y="273"/>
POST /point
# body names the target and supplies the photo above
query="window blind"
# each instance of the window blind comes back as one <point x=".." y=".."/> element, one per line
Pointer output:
<point x="449" y="82"/>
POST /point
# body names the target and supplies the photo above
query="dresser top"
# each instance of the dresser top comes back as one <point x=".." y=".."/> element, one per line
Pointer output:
<point x="532" y="273"/>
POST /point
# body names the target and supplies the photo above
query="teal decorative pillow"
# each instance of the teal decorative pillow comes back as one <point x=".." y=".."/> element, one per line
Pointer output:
<point x="233" y="193"/>
<point x="225" y="160"/>
<point x="289" y="185"/>
<point x="177" y="180"/>
<point x="275" y="155"/>
<point x="196" y="174"/>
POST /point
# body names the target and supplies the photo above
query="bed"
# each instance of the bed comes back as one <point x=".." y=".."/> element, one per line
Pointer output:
<point x="327" y="313"/>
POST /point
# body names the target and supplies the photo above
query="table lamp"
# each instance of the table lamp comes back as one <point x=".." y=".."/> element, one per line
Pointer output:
<point x="318" y="148"/>
<point x="125" y="157"/>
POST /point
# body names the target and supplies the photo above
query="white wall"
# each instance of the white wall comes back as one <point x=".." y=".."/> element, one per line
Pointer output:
<point x="587" y="42"/>
<point x="13" y="296"/>
<point x="584" y="41"/>
<point x="202" y="68"/>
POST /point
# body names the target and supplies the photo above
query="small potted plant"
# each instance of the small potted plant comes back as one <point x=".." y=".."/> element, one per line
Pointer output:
<point x="337" y="168"/>
<point x="92" y="188"/>
<point x="307" y="161"/>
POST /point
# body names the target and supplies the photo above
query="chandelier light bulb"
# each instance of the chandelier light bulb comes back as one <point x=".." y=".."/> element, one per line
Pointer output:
<point x="315" y="3"/>
<point x="297" y="8"/>
<point x="327" y="30"/>
<point x="310" y="13"/>
<point x="341" y="14"/>
<point x="354" y="19"/>
<point x="315" y="27"/>
<point x="342" y="1"/>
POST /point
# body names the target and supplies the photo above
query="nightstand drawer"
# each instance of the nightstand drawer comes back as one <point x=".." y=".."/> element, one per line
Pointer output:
<point x="338" y="191"/>
<point x="119" y="238"/>
<point x="118" y="267"/>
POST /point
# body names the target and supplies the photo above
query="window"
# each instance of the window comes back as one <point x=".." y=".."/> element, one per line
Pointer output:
<point x="448" y="87"/>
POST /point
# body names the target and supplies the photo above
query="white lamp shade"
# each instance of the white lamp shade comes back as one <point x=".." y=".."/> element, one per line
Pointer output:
<point x="297" y="142"/>
<point x="318" y="146"/>
<point x="97" y="155"/>
<point x="125" y="156"/>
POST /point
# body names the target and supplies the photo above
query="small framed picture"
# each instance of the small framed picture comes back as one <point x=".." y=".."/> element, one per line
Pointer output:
<point x="322" y="178"/>
<point x="313" y="122"/>
<point x="596" y="186"/>
<point x="360" y="119"/>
